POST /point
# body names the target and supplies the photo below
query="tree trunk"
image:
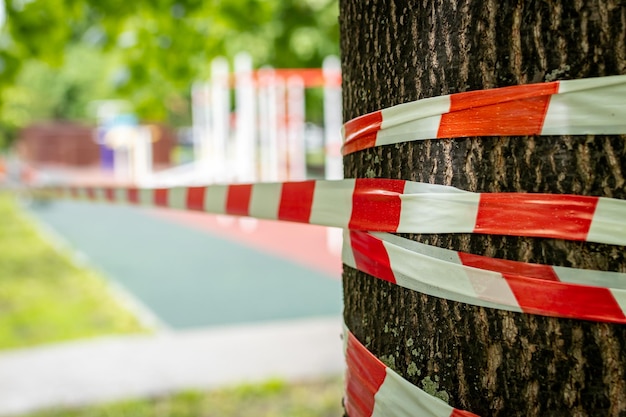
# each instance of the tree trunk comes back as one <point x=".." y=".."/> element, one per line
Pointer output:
<point x="490" y="362"/>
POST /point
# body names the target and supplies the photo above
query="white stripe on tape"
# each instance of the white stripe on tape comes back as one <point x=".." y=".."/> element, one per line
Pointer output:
<point x="265" y="200"/>
<point x="419" y="272"/>
<point x="332" y="203"/>
<point x="399" y="123"/>
<point x="177" y="198"/>
<point x="120" y="195"/>
<point x="215" y="199"/>
<point x="146" y="196"/>
<point x="609" y="222"/>
<point x="439" y="212"/>
<point x="99" y="194"/>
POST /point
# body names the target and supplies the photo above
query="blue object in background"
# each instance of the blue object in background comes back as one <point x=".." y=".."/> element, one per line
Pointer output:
<point x="107" y="153"/>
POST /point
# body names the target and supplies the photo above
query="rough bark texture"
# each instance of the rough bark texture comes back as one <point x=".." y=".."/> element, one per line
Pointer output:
<point x="493" y="363"/>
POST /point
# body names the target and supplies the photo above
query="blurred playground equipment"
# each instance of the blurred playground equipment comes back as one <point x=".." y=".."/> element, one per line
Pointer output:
<point x="260" y="135"/>
<point x="247" y="125"/>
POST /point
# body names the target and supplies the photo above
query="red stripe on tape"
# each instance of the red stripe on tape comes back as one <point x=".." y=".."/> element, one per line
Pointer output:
<point x="238" y="199"/>
<point x="545" y="272"/>
<point x="195" y="198"/>
<point x="370" y="256"/>
<point x="160" y="197"/>
<point x="376" y="204"/>
<point x="503" y="111"/>
<point x="360" y="133"/>
<point x="364" y="141"/>
<point x="132" y="194"/>
<point x="566" y="300"/>
<point x="296" y="201"/>
<point x="364" y="376"/>
<point x="109" y="194"/>
<point x="461" y="413"/>
<point x="540" y="215"/>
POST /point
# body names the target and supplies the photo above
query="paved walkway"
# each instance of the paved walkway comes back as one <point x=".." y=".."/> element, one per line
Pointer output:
<point x="107" y="369"/>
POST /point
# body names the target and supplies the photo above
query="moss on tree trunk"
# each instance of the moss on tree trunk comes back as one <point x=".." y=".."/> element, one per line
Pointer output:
<point x="490" y="362"/>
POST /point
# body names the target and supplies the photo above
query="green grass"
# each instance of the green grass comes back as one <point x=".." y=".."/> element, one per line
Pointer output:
<point x="44" y="297"/>
<point x="271" y="399"/>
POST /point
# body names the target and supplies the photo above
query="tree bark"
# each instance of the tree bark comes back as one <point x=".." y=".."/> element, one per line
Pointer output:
<point x="490" y="362"/>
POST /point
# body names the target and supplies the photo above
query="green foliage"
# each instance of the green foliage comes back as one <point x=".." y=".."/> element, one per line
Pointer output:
<point x="43" y="296"/>
<point x="39" y="23"/>
<point x="152" y="49"/>
<point x="68" y="89"/>
<point x="42" y="91"/>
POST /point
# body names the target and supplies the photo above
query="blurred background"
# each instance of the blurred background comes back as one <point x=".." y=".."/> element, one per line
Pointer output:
<point x="102" y="303"/>
<point x="58" y="56"/>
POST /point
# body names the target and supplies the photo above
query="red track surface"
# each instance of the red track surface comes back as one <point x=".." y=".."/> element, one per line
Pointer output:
<point x="301" y="243"/>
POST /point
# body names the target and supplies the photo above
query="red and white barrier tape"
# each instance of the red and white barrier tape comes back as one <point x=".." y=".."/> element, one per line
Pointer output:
<point x="580" y="107"/>
<point x="481" y="281"/>
<point x="537" y="271"/>
<point x="589" y="106"/>
<point x="367" y="206"/>
<point x="391" y="206"/>
<point x="375" y="390"/>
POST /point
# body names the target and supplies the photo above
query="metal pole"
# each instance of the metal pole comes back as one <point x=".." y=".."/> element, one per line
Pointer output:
<point x="295" y="128"/>
<point x="332" y="118"/>
<point x="245" y="111"/>
<point x="220" y="109"/>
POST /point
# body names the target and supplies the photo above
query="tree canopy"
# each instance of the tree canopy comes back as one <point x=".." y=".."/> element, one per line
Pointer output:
<point x="57" y="55"/>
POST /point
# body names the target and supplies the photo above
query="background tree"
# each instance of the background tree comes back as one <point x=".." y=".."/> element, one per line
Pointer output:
<point x="152" y="50"/>
<point x="493" y="363"/>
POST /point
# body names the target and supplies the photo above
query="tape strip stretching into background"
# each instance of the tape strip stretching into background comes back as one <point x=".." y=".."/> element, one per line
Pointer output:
<point x="388" y="205"/>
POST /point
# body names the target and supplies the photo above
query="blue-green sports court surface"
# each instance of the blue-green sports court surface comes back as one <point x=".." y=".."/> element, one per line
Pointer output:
<point x="195" y="270"/>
